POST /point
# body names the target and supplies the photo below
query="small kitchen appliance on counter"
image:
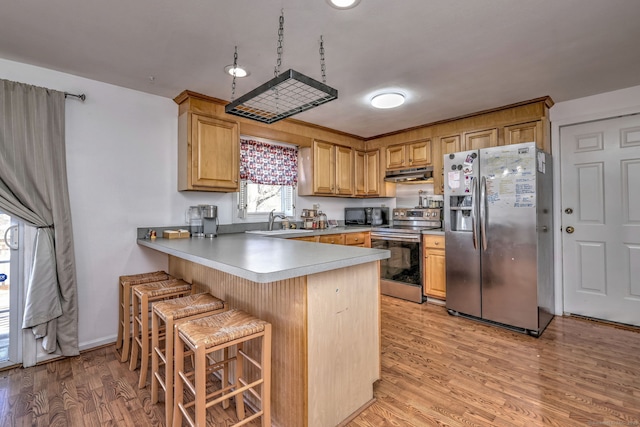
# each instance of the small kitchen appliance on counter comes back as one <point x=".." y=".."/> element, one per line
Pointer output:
<point x="210" y="220"/>
<point x="401" y="275"/>
<point x="371" y="217"/>
<point x="193" y="218"/>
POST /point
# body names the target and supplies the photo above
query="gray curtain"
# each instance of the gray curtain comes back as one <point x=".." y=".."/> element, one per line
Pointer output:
<point x="33" y="187"/>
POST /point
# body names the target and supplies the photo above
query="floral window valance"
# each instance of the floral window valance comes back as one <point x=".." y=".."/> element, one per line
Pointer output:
<point x="263" y="163"/>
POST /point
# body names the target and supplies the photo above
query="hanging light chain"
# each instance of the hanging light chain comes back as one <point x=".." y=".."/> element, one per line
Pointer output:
<point x="235" y="70"/>
<point x="323" y="69"/>
<point x="276" y="71"/>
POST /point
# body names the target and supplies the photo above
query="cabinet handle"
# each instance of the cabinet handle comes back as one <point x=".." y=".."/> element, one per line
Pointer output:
<point x="437" y="243"/>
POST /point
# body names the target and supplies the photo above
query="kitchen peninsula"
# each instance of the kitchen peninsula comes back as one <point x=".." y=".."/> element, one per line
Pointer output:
<point x="323" y="302"/>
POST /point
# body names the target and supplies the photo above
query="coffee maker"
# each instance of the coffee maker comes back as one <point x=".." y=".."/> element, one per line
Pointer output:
<point x="210" y="220"/>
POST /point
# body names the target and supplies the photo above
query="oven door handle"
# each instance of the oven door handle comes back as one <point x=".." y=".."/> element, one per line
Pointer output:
<point x="410" y="239"/>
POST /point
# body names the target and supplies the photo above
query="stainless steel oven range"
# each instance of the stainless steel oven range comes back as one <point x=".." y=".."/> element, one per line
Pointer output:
<point x="401" y="275"/>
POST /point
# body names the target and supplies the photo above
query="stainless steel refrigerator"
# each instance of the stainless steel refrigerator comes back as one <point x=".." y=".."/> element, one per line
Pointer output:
<point x="499" y="236"/>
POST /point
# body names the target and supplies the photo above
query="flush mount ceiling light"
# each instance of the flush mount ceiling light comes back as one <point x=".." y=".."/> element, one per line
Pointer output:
<point x="283" y="96"/>
<point x="343" y="4"/>
<point x="239" y="71"/>
<point x="388" y="100"/>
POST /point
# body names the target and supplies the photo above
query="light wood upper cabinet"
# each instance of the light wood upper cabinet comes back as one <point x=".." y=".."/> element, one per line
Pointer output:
<point x="435" y="278"/>
<point x="367" y="173"/>
<point x="344" y="170"/>
<point x="450" y="144"/>
<point x="446" y="145"/>
<point x="208" y="153"/>
<point x="419" y="153"/>
<point x="480" y="139"/>
<point x="372" y="173"/>
<point x="326" y="169"/>
<point x="396" y="157"/>
<point x="525" y="132"/>
<point x="409" y="155"/>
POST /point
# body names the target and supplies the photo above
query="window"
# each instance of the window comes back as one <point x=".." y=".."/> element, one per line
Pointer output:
<point x="269" y="174"/>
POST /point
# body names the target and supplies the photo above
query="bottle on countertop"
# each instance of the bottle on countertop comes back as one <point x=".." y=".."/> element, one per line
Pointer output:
<point x="322" y="220"/>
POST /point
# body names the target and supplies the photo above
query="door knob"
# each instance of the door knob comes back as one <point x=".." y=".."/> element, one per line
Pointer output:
<point x="568" y="211"/>
<point x="570" y="229"/>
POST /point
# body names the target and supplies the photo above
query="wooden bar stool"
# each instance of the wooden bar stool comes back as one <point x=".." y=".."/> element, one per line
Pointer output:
<point x="214" y="333"/>
<point x="143" y="295"/>
<point x="171" y="313"/>
<point x="124" y="307"/>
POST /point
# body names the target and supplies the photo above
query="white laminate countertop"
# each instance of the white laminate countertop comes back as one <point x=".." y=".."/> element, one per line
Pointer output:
<point x="264" y="259"/>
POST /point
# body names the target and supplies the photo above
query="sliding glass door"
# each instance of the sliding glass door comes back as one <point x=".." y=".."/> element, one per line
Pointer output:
<point x="10" y="292"/>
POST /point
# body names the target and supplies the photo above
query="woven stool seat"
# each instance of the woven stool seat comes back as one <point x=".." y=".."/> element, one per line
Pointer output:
<point x="196" y="390"/>
<point x="143" y="296"/>
<point x="123" y="341"/>
<point x="171" y="313"/>
<point x="188" y="306"/>
<point x="158" y="289"/>
<point x="138" y="279"/>
<point x="221" y="328"/>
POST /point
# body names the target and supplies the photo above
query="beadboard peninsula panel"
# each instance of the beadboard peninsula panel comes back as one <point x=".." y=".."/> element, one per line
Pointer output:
<point x="283" y="305"/>
<point x="344" y="348"/>
<point x="326" y="337"/>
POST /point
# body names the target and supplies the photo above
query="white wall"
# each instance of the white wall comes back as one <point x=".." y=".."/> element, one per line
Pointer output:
<point x="596" y="107"/>
<point x="122" y="172"/>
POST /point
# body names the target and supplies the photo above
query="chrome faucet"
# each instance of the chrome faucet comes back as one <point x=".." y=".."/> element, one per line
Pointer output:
<point x="272" y="217"/>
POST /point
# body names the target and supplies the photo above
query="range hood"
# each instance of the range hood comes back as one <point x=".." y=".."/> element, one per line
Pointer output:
<point x="411" y="175"/>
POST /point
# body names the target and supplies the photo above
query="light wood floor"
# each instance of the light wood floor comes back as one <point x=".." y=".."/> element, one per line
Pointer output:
<point x="437" y="370"/>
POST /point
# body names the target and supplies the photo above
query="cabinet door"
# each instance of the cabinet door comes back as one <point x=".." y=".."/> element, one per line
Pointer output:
<point x="344" y="170"/>
<point x="372" y="173"/>
<point x="480" y="139"/>
<point x="333" y="239"/>
<point x="525" y="132"/>
<point x="306" y="238"/>
<point x="215" y="153"/>
<point x="358" y="239"/>
<point x="446" y="145"/>
<point x="435" y="274"/>
<point x="419" y="153"/>
<point x="360" y="173"/>
<point x="324" y="174"/>
<point x="395" y="157"/>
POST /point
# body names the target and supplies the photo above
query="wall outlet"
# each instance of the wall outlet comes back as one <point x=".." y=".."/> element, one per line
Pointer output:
<point x="316" y="206"/>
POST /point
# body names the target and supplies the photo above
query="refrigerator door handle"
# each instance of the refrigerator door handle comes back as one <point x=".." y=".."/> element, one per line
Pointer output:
<point x="474" y="209"/>
<point x="483" y="212"/>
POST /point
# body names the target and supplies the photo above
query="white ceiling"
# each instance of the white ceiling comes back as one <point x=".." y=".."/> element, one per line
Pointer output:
<point x="451" y="57"/>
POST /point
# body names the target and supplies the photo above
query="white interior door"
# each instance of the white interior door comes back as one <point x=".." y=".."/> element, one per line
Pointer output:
<point x="600" y="176"/>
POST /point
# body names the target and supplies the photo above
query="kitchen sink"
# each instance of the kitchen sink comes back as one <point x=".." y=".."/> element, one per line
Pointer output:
<point x="276" y="232"/>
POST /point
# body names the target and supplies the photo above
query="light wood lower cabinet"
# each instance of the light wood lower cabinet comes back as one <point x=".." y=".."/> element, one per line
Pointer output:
<point x="358" y="239"/>
<point x="306" y="239"/>
<point x="435" y="278"/>
<point x="333" y="239"/>
<point x="362" y="239"/>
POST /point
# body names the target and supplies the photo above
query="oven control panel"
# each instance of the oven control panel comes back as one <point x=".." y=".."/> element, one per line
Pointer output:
<point x="407" y="214"/>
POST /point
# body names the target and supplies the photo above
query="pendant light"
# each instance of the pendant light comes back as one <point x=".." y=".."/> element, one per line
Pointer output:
<point x="285" y="95"/>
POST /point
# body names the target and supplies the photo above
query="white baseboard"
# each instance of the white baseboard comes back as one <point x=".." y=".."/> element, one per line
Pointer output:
<point x="97" y="343"/>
